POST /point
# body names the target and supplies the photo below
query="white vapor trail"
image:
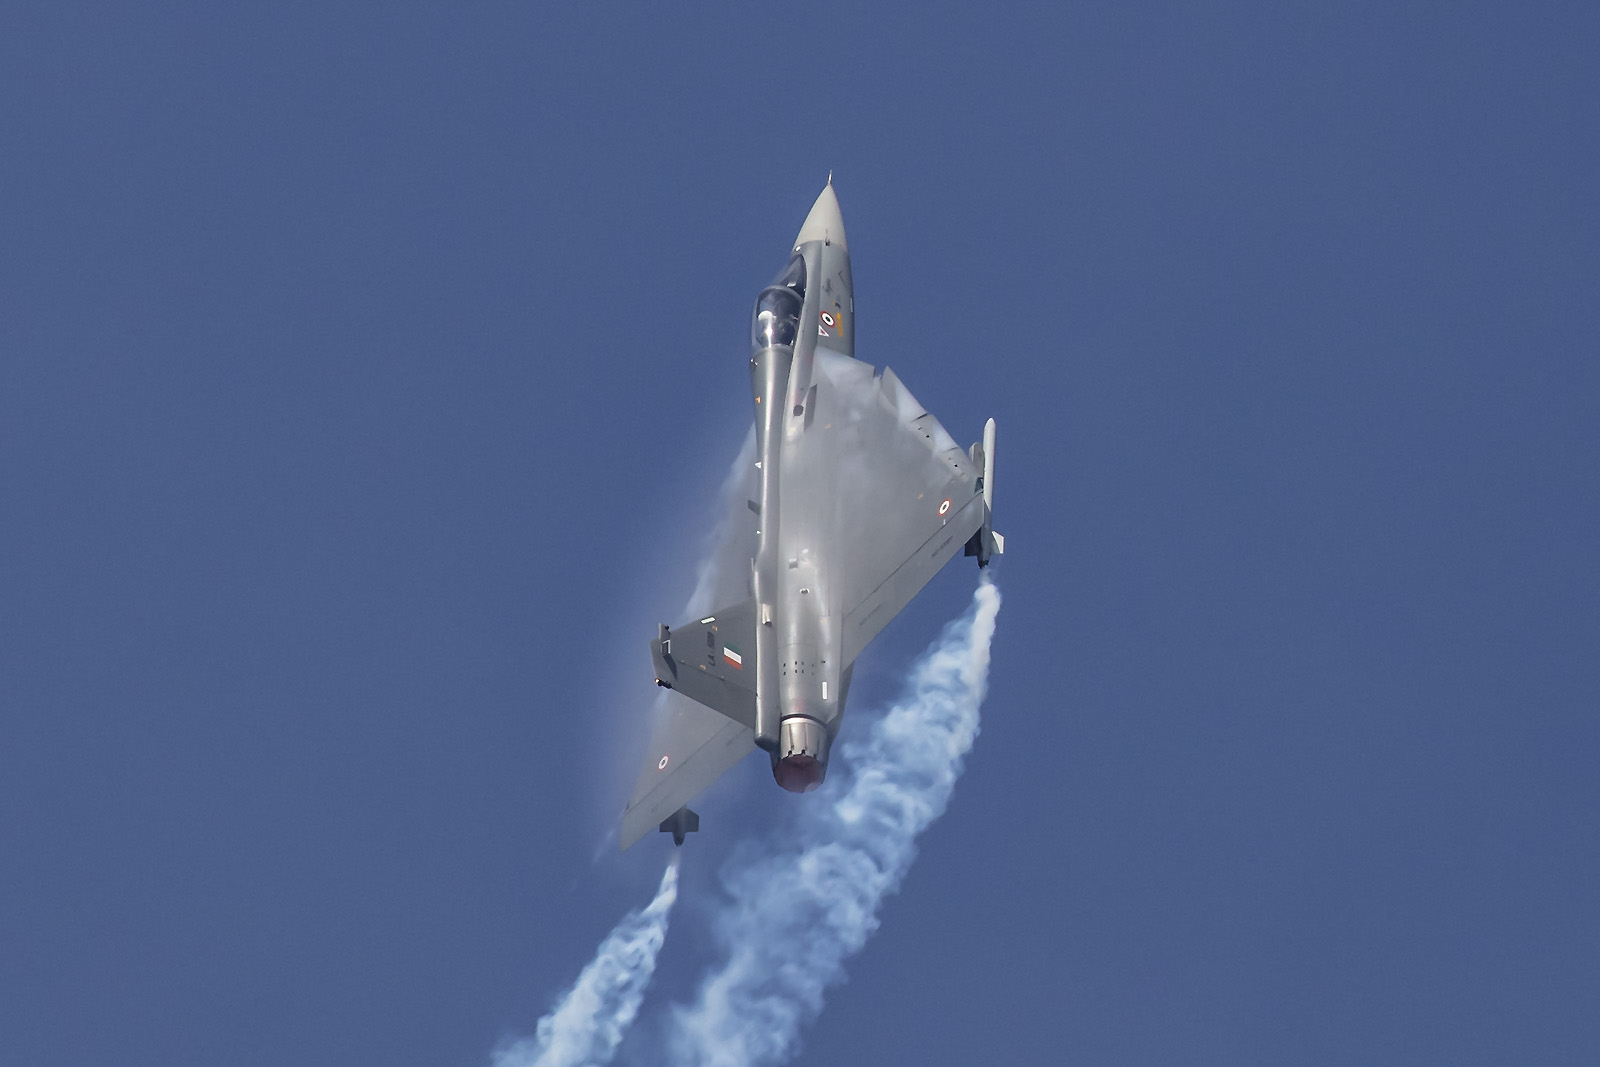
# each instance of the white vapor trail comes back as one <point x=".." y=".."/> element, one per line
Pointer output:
<point x="797" y="912"/>
<point x="588" y="1023"/>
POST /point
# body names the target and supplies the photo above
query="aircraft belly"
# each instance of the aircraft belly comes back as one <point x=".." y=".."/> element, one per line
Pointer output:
<point x="809" y="594"/>
<point x="770" y="370"/>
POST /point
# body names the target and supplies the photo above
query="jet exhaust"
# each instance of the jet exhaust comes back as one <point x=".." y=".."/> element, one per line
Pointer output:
<point x="591" y="1018"/>
<point x="801" y="761"/>
<point x="794" y="914"/>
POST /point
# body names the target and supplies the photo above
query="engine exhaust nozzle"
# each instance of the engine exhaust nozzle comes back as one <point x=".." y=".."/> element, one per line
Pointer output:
<point x="801" y="761"/>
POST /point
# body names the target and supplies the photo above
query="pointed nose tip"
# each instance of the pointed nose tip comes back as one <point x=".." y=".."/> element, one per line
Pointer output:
<point x="824" y="223"/>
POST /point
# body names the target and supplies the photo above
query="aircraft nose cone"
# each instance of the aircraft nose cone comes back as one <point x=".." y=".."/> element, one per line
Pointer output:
<point x="824" y="223"/>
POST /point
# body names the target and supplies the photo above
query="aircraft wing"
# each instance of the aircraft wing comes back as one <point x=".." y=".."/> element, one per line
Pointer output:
<point x="692" y="747"/>
<point x="705" y="661"/>
<point x="698" y="744"/>
<point x="896" y="495"/>
<point x="874" y="482"/>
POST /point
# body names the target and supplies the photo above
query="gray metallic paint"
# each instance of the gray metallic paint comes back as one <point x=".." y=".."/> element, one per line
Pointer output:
<point x="861" y="497"/>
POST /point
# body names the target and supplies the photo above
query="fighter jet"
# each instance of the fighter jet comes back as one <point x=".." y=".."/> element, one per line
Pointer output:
<point x="858" y="497"/>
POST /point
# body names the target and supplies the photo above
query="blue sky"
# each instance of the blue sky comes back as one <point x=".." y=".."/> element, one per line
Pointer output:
<point x="367" y="372"/>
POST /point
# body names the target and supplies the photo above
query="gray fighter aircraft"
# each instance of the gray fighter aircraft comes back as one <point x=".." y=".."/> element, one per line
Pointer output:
<point x="859" y="497"/>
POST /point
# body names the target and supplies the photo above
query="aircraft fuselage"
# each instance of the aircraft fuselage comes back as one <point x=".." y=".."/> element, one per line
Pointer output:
<point x="800" y="683"/>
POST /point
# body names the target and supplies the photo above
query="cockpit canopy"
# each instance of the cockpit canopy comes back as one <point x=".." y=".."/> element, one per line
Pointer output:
<point x="777" y="317"/>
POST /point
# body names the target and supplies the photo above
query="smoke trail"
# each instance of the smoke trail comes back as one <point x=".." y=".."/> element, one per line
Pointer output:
<point x="588" y="1023"/>
<point x="797" y="913"/>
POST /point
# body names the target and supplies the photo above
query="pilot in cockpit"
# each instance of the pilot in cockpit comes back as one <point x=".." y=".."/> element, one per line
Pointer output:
<point x="777" y="317"/>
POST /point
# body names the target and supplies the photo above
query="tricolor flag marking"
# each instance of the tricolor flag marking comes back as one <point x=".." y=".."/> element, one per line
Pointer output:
<point x="733" y="658"/>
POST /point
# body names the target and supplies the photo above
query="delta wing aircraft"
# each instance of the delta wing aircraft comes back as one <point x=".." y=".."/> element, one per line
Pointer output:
<point x="859" y="498"/>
